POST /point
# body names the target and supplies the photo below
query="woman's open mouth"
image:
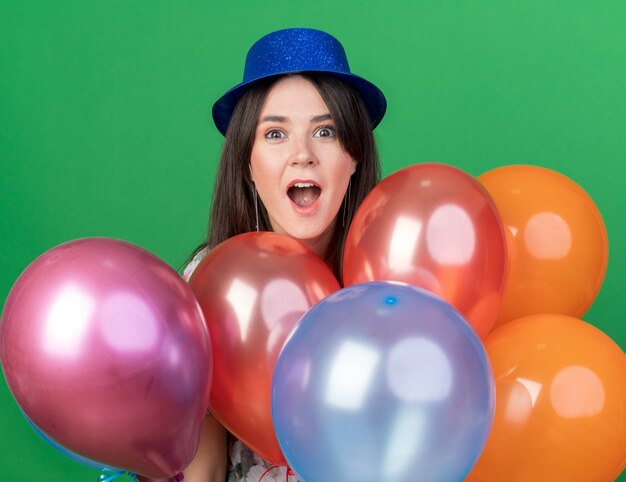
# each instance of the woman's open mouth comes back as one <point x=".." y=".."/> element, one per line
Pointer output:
<point x="304" y="196"/>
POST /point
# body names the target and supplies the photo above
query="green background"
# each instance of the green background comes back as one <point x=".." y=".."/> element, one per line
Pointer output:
<point x="105" y="125"/>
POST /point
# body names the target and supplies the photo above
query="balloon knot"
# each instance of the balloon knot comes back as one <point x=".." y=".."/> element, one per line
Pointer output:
<point x="109" y="475"/>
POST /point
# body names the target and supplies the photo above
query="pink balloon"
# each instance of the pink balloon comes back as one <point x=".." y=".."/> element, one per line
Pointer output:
<point x="105" y="349"/>
<point x="177" y="478"/>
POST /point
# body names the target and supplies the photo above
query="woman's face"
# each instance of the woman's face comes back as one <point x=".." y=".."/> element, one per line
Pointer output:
<point x="300" y="169"/>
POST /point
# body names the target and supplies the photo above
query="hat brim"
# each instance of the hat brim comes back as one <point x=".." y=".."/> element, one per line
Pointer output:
<point x="372" y="96"/>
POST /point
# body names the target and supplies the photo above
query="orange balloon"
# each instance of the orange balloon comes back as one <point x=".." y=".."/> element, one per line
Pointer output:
<point x="557" y="242"/>
<point x="252" y="289"/>
<point x="560" y="403"/>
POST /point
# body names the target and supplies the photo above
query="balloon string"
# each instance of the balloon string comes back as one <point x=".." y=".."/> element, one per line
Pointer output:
<point x="178" y="478"/>
<point x="109" y="475"/>
<point x="288" y="473"/>
<point x="267" y="471"/>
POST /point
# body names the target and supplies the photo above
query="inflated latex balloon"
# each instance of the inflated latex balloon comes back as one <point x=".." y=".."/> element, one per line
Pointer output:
<point x="67" y="453"/>
<point x="558" y="244"/>
<point x="177" y="478"/>
<point x="107" y="474"/>
<point x="382" y="382"/>
<point x="253" y="288"/>
<point x="105" y="349"/>
<point x="561" y="403"/>
<point x="433" y="226"/>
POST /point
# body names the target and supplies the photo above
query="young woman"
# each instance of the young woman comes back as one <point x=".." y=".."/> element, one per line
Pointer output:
<point x="298" y="158"/>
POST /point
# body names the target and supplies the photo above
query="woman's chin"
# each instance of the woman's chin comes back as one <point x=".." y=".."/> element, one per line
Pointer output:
<point x="315" y="239"/>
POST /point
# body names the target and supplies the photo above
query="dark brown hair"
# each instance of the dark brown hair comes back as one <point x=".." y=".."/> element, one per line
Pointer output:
<point x="233" y="206"/>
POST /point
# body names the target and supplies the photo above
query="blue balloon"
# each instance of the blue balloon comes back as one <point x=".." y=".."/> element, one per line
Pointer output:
<point x="382" y="382"/>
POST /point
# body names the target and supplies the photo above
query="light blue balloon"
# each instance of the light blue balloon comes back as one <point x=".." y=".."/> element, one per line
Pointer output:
<point x="382" y="382"/>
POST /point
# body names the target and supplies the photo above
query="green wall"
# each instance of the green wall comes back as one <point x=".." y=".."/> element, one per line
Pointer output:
<point x="105" y="125"/>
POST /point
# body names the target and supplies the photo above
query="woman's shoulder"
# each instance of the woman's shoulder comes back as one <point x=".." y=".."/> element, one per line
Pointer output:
<point x="193" y="264"/>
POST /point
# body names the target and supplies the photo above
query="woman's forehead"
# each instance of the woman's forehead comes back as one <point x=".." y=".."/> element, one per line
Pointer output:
<point x="294" y="97"/>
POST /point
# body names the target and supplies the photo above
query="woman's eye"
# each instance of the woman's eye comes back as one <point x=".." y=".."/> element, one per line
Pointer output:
<point x="325" y="131"/>
<point x="275" y="134"/>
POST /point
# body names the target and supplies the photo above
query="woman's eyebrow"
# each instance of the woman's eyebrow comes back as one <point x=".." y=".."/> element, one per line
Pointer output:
<point x="320" y="118"/>
<point x="274" y="118"/>
<point x="283" y="119"/>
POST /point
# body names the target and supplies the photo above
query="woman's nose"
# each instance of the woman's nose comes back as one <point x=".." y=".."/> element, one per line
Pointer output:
<point x="303" y="154"/>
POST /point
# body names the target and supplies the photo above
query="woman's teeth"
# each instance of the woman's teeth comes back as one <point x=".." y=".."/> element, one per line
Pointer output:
<point x="304" y="194"/>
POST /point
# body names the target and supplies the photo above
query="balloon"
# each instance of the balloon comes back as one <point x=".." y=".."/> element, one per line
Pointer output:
<point x="68" y="453"/>
<point x="105" y="349"/>
<point x="433" y="226"/>
<point x="253" y="288"/>
<point x="107" y="474"/>
<point x="557" y="242"/>
<point x="177" y="478"/>
<point x="382" y="382"/>
<point x="561" y="411"/>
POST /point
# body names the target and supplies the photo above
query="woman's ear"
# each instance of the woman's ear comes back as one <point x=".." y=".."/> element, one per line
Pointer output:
<point x="353" y="167"/>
